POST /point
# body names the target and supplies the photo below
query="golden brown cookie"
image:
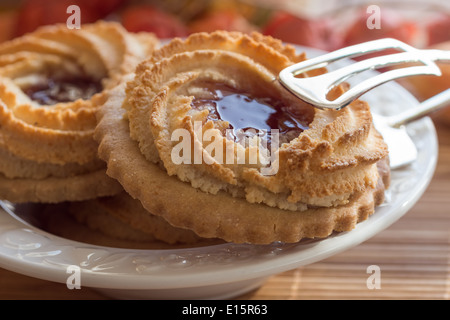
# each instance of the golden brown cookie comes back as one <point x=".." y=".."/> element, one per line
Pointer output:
<point x="51" y="83"/>
<point x="237" y="177"/>
<point x="57" y="219"/>
<point x="123" y="217"/>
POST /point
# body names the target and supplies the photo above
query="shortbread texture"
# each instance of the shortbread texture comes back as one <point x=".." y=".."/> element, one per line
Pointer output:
<point x="324" y="166"/>
<point x="47" y="152"/>
<point x="329" y="177"/>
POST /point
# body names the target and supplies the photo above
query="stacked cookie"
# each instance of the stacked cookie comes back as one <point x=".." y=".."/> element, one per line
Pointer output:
<point x="207" y="138"/>
<point x="194" y="140"/>
<point x="52" y="83"/>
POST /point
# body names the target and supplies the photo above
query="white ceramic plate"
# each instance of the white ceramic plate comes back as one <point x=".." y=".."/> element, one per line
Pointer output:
<point x="219" y="271"/>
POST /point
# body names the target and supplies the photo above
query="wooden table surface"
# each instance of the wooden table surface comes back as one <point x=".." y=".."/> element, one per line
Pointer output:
<point x="413" y="256"/>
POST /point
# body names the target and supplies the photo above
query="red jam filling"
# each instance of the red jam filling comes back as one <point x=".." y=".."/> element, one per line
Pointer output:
<point x="63" y="90"/>
<point x="244" y="112"/>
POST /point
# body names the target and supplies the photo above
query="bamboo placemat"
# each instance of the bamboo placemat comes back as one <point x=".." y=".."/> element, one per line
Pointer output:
<point x="413" y="254"/>
<point x="413" y="257"/>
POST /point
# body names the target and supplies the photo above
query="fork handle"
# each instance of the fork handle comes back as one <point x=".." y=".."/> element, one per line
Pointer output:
<point x="434" y="103"/>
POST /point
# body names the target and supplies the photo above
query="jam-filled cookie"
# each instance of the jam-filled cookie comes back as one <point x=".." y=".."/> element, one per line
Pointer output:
<point x="206" y="137"/>
<point x="51" y="83"/>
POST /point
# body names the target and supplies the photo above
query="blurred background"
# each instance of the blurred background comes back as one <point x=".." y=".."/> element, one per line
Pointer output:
<point x="321" y="24"/>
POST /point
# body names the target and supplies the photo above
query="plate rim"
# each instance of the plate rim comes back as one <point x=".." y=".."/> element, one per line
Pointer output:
<point x="179" y="279"/>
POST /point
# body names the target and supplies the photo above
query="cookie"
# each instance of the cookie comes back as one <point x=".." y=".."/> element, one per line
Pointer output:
<point x="51" y="83"/>
<point x="57" y="219"/>
<point x="181" y="135"/>
<point x="123" y="217"/>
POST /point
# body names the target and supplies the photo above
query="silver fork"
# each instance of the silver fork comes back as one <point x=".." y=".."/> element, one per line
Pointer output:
<point x="314" y="90"/>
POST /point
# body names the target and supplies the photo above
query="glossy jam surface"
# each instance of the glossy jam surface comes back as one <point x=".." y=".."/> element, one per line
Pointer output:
<point x="63" y="90"/>
<point x="244" y="112"/>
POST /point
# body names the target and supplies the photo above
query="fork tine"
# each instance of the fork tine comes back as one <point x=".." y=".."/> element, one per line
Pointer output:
<point x="348" y="52"/>
<point x="314" y="90"/>
<point x="355" y="92"/>
<point x="344" y="73"/>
